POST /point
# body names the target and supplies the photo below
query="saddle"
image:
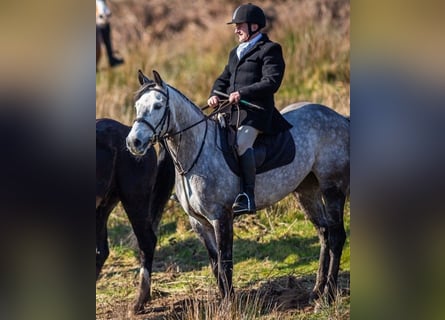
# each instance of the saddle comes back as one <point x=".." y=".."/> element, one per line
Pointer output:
<point x="271" y="151"/>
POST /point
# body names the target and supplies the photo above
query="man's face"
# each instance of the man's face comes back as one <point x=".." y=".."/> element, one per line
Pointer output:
<point x="242" y="31"/>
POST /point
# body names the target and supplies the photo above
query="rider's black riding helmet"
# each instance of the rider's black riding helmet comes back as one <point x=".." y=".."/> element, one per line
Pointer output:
<point x="249" y="13"/>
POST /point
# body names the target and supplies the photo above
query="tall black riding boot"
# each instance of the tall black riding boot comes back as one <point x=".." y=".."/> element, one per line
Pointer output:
<point x="106" y="37"/>
<point x="245" y="201"/>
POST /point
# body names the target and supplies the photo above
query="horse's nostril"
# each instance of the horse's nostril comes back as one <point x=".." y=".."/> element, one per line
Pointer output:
<point x="137" y="143"/>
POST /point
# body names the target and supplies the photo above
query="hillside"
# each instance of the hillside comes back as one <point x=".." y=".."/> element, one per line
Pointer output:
<point x="160" y="20"/>
<point x="188" y="43"/>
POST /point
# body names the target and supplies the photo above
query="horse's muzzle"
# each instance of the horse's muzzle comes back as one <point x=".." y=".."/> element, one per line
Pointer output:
<point x="137" y="147"/>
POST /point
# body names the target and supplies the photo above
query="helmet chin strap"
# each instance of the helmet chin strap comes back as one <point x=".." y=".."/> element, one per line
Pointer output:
<point x="249" y="29"/>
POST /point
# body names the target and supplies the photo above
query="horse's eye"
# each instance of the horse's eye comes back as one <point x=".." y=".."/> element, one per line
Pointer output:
<point x="157" y="106"/>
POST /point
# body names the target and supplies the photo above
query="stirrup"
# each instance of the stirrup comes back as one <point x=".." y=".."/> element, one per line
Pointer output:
<point x="242" y="206"/>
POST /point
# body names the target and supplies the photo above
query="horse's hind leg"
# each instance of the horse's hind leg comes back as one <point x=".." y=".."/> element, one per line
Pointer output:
<point x="138" y="214"/>
<point x="309" y="195"/>
<point x="334" y="199"/>
<point x="324" y="206"/>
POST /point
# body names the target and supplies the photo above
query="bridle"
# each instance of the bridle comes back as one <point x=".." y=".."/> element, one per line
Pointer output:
<point x="165" y="120"/>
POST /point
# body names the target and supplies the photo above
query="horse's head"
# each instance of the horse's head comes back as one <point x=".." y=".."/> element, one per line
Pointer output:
<point x="152" y="114"/>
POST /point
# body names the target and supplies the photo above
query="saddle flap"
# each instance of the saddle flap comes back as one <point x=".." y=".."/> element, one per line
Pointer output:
<point x="271" y="151"/>
<point x="274" y="150"/>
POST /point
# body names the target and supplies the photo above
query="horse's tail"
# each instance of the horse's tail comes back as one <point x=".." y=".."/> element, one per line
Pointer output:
<point x="165" y="180"/>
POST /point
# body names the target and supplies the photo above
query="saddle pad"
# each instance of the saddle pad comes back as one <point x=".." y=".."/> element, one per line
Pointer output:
<point x="271" y="151"/>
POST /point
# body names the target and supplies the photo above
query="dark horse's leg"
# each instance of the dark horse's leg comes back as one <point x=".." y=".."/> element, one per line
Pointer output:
<point x="324" y="208"/>
<point x="165" y="181"/>
<point x="145" y="212"/>
<point x="136" y="181"/>
<point x="106" y="198"/>
<point x="138" y="214"/>
<point x="102" y="251"/>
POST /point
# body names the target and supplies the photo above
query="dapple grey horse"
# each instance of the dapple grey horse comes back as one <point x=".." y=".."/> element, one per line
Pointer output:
<point x="318" y="176"/>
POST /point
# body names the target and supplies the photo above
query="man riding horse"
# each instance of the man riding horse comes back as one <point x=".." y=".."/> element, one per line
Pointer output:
<point x="254" y="73"/>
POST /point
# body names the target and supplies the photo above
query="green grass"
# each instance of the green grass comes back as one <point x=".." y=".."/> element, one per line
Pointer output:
<point x="278" y="244"/>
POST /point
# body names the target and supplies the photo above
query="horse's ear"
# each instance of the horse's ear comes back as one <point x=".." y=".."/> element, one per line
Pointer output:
<point x="142" y="78"/>
<point x="158" y="79"/>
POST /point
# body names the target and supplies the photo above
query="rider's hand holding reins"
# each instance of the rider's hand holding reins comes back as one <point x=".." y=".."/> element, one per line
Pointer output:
<point x="234" y="97"/>
<point x="213" y="101"/>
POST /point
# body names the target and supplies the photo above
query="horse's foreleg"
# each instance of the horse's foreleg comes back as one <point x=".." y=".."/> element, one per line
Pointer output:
<point x="146" y="257"/>
<point x="147" y="239"/>
<point x="224" y="240"/>
<point x="206" y="234"/>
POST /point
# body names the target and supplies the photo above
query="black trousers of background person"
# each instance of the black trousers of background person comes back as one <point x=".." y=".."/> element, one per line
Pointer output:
<point x="104" y="31"/>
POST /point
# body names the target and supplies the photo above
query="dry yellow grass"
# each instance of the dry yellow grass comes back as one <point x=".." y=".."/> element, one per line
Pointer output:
<point x="188" y="43"/>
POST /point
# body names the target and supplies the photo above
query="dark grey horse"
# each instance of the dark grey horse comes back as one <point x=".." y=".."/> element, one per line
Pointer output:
<point x="318" y="176"/>
<point x="142" y="184"/>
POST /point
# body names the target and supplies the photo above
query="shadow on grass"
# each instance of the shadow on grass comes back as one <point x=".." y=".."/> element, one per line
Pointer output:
<point x="290" y="292"/>
<point x="191" y="254"/>
<point x="289" y="252"/>
<point x="263" y="298"/>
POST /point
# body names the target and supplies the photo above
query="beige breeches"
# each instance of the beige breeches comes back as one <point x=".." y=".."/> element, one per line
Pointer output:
<point x="246" y="136"/>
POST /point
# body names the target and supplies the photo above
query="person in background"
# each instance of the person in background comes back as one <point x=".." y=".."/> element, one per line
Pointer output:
<point x="103" y="31"/>
<point x="254" y="73"/>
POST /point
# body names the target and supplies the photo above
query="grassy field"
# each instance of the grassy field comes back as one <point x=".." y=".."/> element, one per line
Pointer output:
<point x="275" y="251"/>
<point x="275" y="260"/>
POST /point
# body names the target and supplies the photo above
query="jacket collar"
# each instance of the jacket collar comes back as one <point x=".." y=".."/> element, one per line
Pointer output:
<point x="260" y="42"/>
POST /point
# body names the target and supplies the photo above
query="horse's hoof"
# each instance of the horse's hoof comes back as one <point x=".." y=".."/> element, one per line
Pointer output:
<point x="138" y="308"/>
<point x="314" y="297"/>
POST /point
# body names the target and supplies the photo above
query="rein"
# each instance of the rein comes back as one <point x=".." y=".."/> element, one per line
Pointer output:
<point x="166" y="120"/>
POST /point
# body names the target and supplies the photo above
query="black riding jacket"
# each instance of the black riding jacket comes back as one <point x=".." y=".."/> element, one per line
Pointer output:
<point x="256" y="76"/>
